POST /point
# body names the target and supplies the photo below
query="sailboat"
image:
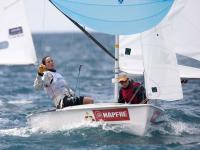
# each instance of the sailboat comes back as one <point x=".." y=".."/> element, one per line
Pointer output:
<point x="16" y="44"/>
<point x="144" y="45"/>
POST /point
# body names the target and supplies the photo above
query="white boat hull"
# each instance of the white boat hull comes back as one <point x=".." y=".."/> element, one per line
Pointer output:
<point x="131" y="118"/>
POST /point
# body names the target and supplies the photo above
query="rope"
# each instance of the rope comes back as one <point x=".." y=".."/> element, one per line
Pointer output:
<point x="78" y="77"/>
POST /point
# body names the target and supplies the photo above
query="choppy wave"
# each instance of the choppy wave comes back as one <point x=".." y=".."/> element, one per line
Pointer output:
<point x="181" y="128"/>
<point x="21" y="132"/>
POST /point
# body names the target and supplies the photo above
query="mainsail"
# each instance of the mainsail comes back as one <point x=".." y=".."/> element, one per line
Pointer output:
<point x="16" y="45"/>
<point x="115" y="16"/>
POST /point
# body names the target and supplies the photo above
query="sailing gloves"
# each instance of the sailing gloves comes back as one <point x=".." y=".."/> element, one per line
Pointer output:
<point x="41" y="69"/>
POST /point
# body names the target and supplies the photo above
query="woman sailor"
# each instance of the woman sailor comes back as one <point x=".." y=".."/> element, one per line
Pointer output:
<point x="56" y="87"/>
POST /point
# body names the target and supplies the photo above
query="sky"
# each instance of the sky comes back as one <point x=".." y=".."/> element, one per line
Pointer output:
<point x="44" y="17"/>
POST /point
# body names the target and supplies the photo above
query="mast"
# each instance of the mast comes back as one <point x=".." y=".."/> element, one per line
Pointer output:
<point x="116" y="88"/>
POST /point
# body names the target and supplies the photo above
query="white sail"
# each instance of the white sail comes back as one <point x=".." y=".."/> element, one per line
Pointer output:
<point x="180" y="30"/>
<point x="131" y="60"/>
<point x="162" y="80"/>
<point x="130" y="54"/>
<point x="16" y="45"/>
<point x="189" y="72"/>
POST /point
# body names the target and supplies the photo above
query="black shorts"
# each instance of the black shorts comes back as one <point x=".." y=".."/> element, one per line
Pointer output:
<point x="71" y="101"/>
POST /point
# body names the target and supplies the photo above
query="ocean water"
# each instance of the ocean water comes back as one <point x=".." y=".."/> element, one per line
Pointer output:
<point x="179" y="128"/>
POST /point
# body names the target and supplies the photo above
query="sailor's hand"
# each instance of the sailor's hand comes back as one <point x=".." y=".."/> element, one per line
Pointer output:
<point x="41" y="69"/>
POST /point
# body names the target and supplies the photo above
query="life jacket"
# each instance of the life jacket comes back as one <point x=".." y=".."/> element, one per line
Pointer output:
<point x="131" y="93"/>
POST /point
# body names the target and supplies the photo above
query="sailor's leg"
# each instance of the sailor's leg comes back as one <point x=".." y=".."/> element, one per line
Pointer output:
<point x="88" y="100"/>
<point x="71" y="101"/>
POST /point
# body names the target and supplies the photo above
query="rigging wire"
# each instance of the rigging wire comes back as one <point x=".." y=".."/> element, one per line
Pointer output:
<point x="42" y="42"/>
<point x="77" y="81"/>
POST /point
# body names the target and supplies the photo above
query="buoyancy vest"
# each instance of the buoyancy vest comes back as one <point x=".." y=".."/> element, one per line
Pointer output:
<point x="129" y="94"/>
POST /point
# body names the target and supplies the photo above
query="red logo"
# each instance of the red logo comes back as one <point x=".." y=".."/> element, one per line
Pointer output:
<point x="119" y="114"/>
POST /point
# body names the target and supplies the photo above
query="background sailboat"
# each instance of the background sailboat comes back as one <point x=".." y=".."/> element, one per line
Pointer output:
<point x="16" y="45"/>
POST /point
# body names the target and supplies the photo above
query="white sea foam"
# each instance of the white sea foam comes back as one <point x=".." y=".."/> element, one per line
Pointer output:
<point x="22" y="132"/>
<point x="42" y="125"/>
<point x="181" y="127"/>
<point x="22" y="101"/>
<point x="115" y="128"/>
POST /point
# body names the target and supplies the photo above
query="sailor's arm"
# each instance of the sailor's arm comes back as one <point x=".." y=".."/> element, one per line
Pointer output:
<point x="38" y="83"/>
